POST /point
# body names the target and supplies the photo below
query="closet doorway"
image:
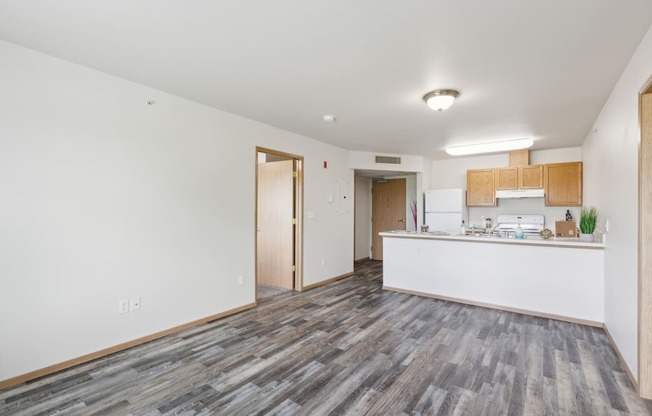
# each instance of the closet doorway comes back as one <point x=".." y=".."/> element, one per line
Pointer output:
<point x="279" y="231"/>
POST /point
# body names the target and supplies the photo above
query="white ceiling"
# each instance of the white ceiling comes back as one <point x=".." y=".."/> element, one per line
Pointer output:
<point x="540" y="69"/>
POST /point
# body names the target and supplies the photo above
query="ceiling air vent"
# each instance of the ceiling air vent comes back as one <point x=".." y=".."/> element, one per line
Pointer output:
<point x="388" y="159"/>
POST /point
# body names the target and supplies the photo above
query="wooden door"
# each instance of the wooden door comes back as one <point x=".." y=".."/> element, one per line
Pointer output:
<point x="387" y="212"/>
<point x="563" y="184"/>
<point x="480" y="188"/>
<point x="275" y="239"/>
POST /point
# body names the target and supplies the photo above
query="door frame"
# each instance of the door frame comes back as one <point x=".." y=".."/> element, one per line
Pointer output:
<point x="298" y="212"/>
<point x="644" y="384"/>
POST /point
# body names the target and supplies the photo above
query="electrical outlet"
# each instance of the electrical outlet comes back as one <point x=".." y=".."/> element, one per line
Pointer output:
<point x="241" y="280"/>
<point x="123" y="306"/>
<point x="323" y="261"/>
<point x="135" y="303"/>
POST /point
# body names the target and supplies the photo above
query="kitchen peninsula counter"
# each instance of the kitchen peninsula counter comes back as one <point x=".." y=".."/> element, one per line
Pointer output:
<point x="557" y="278"/>
<point x="530" y="240"/>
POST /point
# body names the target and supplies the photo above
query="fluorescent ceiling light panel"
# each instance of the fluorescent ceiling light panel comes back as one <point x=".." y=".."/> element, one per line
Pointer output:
<point x="503" y="146"/>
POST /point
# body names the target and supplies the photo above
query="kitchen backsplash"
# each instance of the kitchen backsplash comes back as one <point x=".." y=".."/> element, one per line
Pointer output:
<point x="523" y="206"/>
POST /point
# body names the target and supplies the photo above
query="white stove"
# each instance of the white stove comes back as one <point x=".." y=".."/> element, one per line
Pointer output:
<point x="530" y="224"/>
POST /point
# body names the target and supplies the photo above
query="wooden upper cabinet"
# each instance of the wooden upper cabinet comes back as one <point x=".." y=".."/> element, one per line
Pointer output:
<point x="506" y="178"/>
<point x="563" y="184"/>
<point x="480" y="188"/>
<point x="522" y="177"/>
<point x="530" y="177"/>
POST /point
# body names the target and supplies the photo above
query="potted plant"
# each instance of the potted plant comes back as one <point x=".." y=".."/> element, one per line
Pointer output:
<point x="588" y="220"/>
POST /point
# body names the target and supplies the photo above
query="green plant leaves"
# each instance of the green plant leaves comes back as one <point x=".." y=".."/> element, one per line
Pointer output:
<point x="588" y="220"/>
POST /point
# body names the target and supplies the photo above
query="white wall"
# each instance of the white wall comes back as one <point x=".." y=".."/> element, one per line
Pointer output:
<point x="104" y="198"/>
<point x="451" y="173"/>
<point x="362" y="217"/>
<point x="567" y="154"/>
<point x="611" y="184"/>
<point x="424" y="181"/>
<point x="410" y="201"/>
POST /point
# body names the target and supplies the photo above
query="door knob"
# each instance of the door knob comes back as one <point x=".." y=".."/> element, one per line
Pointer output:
<point x="401" y="220"/>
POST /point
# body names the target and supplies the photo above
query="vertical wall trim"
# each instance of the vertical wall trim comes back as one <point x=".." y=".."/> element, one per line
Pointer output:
<point x="645" y="245"/>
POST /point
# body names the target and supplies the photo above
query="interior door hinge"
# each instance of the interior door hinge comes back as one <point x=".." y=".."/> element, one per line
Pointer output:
<point x="294" y="173"/>
<point x="294" y="221"/>
<point x="294" y="268"/>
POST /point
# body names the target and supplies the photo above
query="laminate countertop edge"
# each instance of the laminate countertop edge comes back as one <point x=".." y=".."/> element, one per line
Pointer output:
<point x="553" y="242"/>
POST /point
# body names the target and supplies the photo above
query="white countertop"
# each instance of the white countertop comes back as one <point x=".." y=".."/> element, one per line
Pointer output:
<point x="530" y="240"/>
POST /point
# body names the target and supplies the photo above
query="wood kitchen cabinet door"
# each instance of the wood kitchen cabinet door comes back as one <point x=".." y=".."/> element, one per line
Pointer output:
<point x="506" y="178"/>
<point x="530" y="177"/>
<point x="480" y="188"/>
<point x="563" y="184"/>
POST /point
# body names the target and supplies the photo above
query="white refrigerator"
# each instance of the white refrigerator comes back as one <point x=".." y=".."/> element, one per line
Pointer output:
<point x="445" y="210"/>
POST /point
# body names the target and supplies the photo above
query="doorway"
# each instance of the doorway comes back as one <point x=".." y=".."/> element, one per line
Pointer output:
<point x="387" y="211"/>
<point x="363" y="228"/>
<point x="279" y="232"/>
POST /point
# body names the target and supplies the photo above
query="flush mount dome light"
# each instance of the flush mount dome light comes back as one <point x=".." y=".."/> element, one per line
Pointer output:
<point x="440" y="99"/>
<point x="503" y="146"/>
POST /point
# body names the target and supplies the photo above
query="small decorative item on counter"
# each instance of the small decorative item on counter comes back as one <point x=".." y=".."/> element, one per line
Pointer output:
<point x="569" y="216"/>
<point x="565" y="229"/>
<point x="519" y="231"/>
<point x="413" y="208"/>
<point x="588" y="220"/>
<point x="425" y="228"/>
<point x="487" y="223"/>
<point x="463" y="229"/>
<point x="545" y="233"/>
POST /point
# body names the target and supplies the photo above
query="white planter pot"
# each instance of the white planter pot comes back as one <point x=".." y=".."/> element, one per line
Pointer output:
<point x="587" y="238"/>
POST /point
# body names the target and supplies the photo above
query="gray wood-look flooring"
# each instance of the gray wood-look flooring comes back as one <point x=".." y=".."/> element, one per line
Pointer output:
<point x="265" y="292"/>
<point x="349" y="348"/>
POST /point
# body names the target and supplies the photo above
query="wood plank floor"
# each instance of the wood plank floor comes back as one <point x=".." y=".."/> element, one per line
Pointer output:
<point x="265" y="292"/>
<point x="349" y="348"/>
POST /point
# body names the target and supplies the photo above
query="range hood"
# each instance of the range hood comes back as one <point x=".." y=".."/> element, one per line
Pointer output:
<point x="520" y="193"/>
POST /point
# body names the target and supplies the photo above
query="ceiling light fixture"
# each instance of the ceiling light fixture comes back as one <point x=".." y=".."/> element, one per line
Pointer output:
<point x="329" y="118"/>
<point x="440" y="99"/>
<point x="503" y="146"/>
